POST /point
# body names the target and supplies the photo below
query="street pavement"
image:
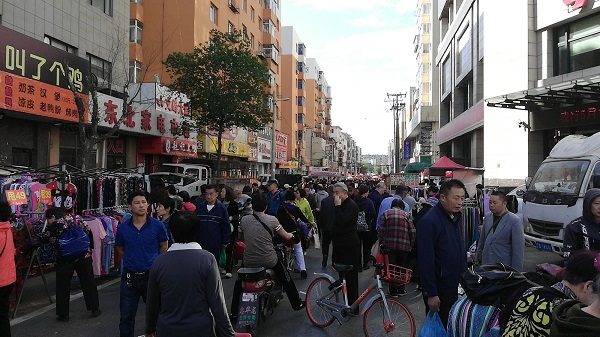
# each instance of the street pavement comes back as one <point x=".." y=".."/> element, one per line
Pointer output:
<point x="36" y="316"/>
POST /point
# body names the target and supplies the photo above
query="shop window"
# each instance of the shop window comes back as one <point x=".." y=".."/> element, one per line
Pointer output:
<point x="577" y="46"/>
<point x="22" y="157"/>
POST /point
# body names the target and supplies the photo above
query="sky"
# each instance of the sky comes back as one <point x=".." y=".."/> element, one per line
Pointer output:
<point x="365" y="49"/>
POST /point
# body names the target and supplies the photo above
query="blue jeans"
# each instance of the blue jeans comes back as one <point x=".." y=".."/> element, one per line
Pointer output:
<point x="133" y="285"/>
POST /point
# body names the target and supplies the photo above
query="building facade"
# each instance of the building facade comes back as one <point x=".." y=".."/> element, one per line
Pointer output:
<point x="422" y="116"/>
<point x="480" y="56"/>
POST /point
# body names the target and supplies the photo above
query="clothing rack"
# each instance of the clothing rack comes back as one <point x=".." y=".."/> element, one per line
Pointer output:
<point x="34" y="258"/>
<point x="104" y="209"/>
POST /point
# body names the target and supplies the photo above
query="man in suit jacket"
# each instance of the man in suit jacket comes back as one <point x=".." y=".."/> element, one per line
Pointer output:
<point x="501" y="238"/>
<point x="185" y="294"/>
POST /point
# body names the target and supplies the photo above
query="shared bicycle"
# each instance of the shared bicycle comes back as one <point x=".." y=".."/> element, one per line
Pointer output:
<point x="382" y="315"/>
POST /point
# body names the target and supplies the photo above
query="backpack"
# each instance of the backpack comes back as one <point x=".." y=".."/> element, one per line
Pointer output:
<point x="491" y="284"/>
<point x="74" y="243"/>
<point x="361" y="222"/>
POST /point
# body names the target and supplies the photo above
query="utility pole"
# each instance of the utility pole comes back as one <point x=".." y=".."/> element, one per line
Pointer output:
<point x="397" y="106"/>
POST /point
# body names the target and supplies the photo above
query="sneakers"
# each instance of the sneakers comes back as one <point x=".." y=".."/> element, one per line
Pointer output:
<point x="303" y="274"/>
<point x="402" y="293"/>
<point x="228" y="275"/>
<point x="301" y="306"/>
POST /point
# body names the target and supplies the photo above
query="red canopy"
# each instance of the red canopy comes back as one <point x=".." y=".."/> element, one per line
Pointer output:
<point x="446" y="163"/>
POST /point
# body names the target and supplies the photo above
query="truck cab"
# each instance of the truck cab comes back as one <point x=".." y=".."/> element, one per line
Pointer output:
<point x="185" y="177"/>
<point x="555" y="194"/>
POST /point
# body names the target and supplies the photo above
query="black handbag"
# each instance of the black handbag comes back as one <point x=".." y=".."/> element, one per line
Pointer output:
<point x="490" y="284"/>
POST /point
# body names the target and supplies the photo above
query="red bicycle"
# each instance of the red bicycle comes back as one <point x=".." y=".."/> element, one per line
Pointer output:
<point x="382" y="316"/>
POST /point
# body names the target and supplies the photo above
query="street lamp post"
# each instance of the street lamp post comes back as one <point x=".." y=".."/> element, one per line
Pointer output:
<point x="273" y="135"/>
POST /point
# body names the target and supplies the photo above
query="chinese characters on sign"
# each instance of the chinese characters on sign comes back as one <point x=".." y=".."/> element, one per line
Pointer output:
<point x="16" y="197"/>
<point x="168" y="146"/>
<point x="280" y="148"/>
<point x="21" y="94"/>
<point x="27" y="57"/>
<point x="45" y="196"/>
<point x="579" y="115"/>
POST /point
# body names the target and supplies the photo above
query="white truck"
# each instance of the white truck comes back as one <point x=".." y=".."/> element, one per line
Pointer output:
<point x="190" y="177"/>
<point x="555" y="194"/>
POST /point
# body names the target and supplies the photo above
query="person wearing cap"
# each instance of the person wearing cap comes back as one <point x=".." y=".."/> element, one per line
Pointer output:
<point x="346" y="245"/>
<point x="286" y="187"/>
<point x="386" y="204"/>
<point x="275" y="197"/>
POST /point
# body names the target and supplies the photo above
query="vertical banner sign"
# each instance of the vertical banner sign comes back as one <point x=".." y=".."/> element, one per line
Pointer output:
<point x="407" y="150"/>
<point x="16" y="197"/>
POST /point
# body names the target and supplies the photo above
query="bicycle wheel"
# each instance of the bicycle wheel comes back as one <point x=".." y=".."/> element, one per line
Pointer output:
<point x="376" y="322"/>
<point x="316" y="290"/>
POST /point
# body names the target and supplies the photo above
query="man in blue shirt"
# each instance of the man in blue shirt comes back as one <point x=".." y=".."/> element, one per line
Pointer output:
<point x="275" y="197"/>
<point x="386" y="204"/>
<point x="139" y="240"/>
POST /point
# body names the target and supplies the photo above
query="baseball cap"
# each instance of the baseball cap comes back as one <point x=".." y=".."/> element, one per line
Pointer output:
<point x="286" y="186"/>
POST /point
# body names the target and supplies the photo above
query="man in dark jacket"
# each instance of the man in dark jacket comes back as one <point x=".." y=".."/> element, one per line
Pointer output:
<point x="346" y="246"/>
<point x="584" y="232"/>
<point x="215" y="229"/>
<point x="376" y="195"/>
<point x="185" y="294"/>
<point x="441" y="251"/>
<point x="326" y="219"/>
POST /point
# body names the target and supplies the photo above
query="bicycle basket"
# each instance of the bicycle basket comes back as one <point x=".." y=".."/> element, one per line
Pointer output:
<point x="392" y="273"/>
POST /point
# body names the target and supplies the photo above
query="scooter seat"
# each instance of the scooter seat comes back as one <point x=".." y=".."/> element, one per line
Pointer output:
<point x="251" y="274"/>
<point x="342" y="268"/>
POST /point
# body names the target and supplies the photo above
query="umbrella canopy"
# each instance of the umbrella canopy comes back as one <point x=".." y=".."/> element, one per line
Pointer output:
<point x="416" y="167"/>
<point x="446" y="163"/>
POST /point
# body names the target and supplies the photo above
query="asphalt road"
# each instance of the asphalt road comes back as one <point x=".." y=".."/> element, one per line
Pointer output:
<point x="36" y="316"/>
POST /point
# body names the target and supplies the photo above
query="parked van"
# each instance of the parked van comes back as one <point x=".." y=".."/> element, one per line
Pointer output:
<point x="555" y="194"/>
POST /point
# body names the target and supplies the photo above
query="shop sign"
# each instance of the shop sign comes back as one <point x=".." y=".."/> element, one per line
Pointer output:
<point x="252" y="143"/>
<point x="32" y="97"/>
<point x="426" y="138"/>
<point x="144" y="119"/>
<point x="168" y="146"/>
<point x="575" y="4"/>
<point x="281" y="148"/>
<point x="291" y="164"/>
<point x="281" y="139"/>
<point x="27" y="57"/>
<point x="407" y="150"/>
<point x="159" y="97"/>
<point x="264" y="151"/>
<point x="115" y="146"/>
<point x="407" y="179"/>
<point x="567" y="117"/>
<point x="16" y="197"/>
<point x="253" y="154"/>
<point x="228" y="147"/>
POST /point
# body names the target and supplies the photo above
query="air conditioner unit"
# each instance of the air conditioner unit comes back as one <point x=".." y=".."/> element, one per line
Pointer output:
<point x="260" y="54"/>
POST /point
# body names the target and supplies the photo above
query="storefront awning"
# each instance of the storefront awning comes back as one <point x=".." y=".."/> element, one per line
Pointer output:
<point x="417" y="167"/>
<point x="551" y="97"/>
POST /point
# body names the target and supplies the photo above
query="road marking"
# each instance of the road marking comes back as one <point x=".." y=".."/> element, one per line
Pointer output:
<point x="49" y="307"/>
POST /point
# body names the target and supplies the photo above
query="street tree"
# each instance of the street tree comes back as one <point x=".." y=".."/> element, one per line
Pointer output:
<point x="226" y="84"/>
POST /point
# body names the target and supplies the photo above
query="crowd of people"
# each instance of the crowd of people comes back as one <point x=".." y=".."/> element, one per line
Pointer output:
<point x="183" y="289"/>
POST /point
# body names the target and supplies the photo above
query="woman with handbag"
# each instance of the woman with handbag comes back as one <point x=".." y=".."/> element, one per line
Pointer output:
<point x="288" y="215"/>
<point x="58" y="224"/>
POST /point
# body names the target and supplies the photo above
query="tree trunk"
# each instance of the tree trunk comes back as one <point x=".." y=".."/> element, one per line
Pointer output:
<point x="219" y="150"/>
<point x="86" y="149"/>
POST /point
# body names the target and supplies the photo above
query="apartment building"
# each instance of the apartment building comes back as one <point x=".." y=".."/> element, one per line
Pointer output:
<point x="421" y="120"/>
<point x="167" y="28"/>
<point x="479" y="55"/>
<point x="38" y="119"/>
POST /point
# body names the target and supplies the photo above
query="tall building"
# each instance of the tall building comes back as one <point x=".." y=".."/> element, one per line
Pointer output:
<point x="167" y="27"/>
<point x="561" y="40"/>
<point x="422" y="115"/>
<point x="306" y="116"/>
<point x="479" y="56"/>
<point x="39" y="120"/>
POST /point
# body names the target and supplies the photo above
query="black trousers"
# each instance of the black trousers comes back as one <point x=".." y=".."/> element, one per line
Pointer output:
<point x="365" y="243"/>
<point x="399" y="258"/>
<point x="326" y="241"/>
<point x="286" y="282"/>
<point x="446" y="303"/>
<point x="64" y="273"/>
<point x="346" y="250"/>
<point x="4" y="321"/>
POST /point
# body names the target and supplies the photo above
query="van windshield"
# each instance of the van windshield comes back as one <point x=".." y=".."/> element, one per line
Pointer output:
<point x="564" y="177"/>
